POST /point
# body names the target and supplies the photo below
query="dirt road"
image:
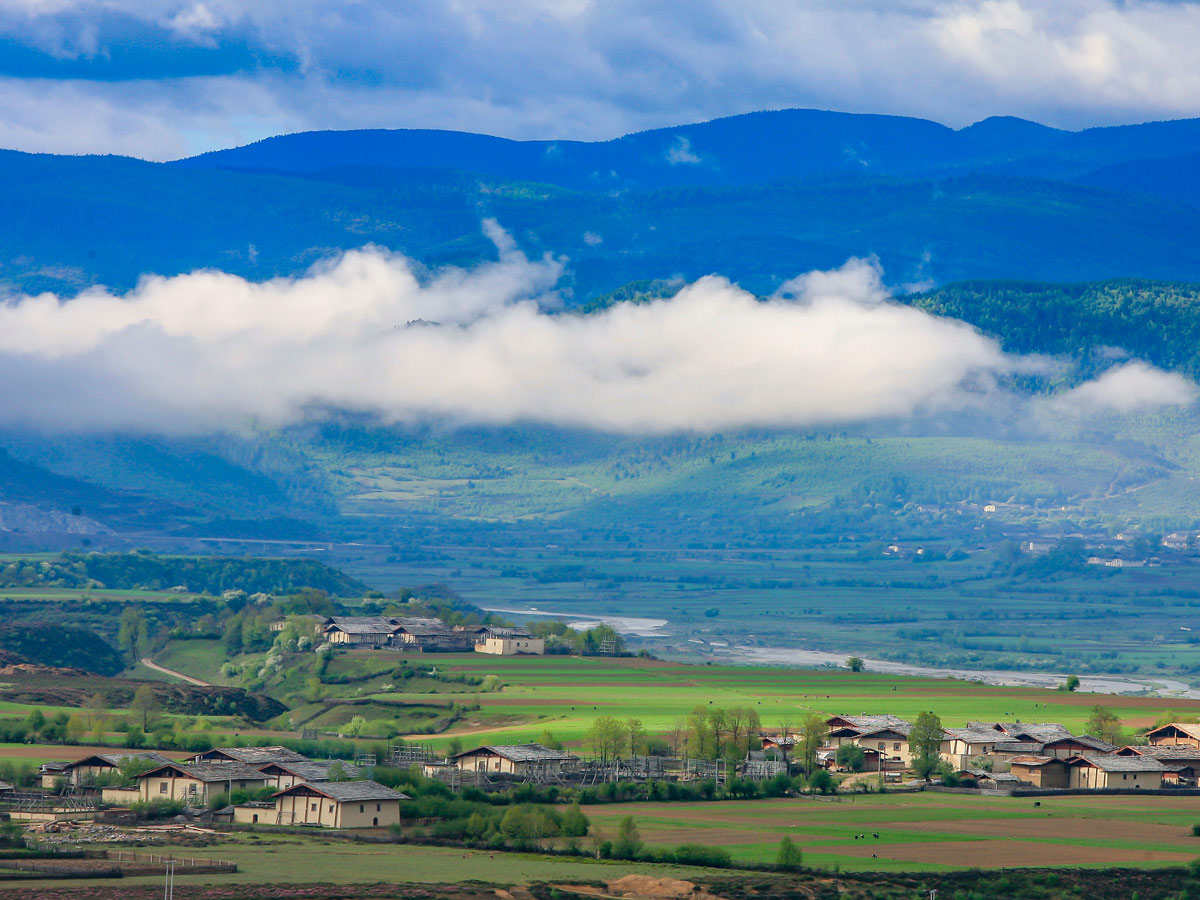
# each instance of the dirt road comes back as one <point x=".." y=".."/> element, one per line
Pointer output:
<point x="188" y="678"/>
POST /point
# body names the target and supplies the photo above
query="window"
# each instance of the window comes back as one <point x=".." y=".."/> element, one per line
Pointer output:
<point x="883" y="745"/>
<point x="361" y="808"/>
<point x="1124" y="776"/>
<point x="314" y="807"/>
<point x="896" y="747"/>
<point x="378" y="808"/>
<point x="375" y="821"/>
<point x="162" y="787"/>
<point x="331" y="807"/>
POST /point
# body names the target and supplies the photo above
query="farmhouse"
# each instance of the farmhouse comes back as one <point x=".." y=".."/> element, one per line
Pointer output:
<point x="970" y="743"/>
<point x="425" y="636"/>
<point x="251" y="756"/>
<point x="283" y="775"/>
<point x="1185" y="761"/>
<point x="50" y="772"/>
<point x="510" y="642"/>
<point x="1041" y="771"/>
<point x="196" y="783"/>
<point x="369" y="633"/>
<point x="1175" y="734"/>
<point x="1138" y="772"/>
<point x="84" y="772"/>
<point x="516" y="759"/>
<point x="334" y="804"/>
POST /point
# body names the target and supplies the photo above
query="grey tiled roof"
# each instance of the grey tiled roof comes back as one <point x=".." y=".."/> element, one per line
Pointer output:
<point x="1122" y="763"/>
<point x="116" y="759"/>
<point x="873" y="722"/>
<point x="213" y="771"/>
<point x="312" y="770"/>
<point x="260" y="755"/>
<point x="1164" y="752"/>
<point x="346" y="791"/>
<point x="521" y="752"/>
<point x="1018" y="747"/>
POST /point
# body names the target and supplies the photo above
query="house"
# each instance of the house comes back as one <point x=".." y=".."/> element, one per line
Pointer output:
<point x="510" y="642"/>
<point x="251" y="756"/>
<point x="314" y="623"/>
<point x="1175" y="734"/>
<point x="334" y="804"/>
<point x="374" y="631"/>
<point x="1077" y="745"/>
<point x="84" y="772"/>
<point x="1137" y="772"/>
<point x="1040" y="771"/>
<point x="886" y="735"/>
<point x="516" y="759"/>
<point x="195" y="783"/>
<point x="971" y="742"/>
<point x="1184" y="760"/>
<point x="50" y="772"/>
<point x="430" y="635"/>
<point x="283" y="775"/>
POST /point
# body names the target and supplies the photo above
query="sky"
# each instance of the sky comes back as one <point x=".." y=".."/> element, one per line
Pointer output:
<point x="160" y="79"/>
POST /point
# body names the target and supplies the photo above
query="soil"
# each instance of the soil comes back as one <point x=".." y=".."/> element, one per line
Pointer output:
<point x="1000" y="854"/>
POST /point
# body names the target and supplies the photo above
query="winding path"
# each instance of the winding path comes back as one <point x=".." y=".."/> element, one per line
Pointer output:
<point x="146" y="661"/>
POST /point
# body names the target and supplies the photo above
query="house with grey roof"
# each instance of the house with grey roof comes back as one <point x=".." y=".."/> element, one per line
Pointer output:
<point x="283" y="775"/>
<point x="85" y="772"/>
<point x="1135" y="772"/>
<point x="334" y="804"/>
<point x="251" y="756"/>
<point x="514" y="759"/>
<point x="196" y="783"/>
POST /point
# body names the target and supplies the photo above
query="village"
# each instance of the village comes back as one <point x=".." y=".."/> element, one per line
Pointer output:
<point x="289" y="789"/>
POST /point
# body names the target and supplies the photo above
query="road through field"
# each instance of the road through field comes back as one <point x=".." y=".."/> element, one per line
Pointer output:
<point x="188" y="678"/>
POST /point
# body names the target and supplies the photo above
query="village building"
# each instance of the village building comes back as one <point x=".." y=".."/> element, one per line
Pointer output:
<point x="283" y="775"/>
<point x="251" y="756"/>
<point x="1040" y="771"/>
<point x="331" y="804"/>
<point x="1175" y="734"/>
<point x="84" y="772"/>
<point x="50" y="772"/>
<point x="1183" y="760"/>
<point x="430" y="637"/>
<point x="510" y="642"/>
<point x="196" y="783"/>
<point x="1133" y="772"/>
<point x="516" y="759"/>
<point x="373" y="633"/>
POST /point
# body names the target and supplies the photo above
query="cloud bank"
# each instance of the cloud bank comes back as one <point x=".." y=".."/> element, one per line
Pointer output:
<point x="165" y="78"/>
<point x="367" y="333"/>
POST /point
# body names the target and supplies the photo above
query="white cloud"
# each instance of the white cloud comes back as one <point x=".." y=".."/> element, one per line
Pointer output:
<point x="680" y="152"/>
<point x="1126" y="388"/>
<point x="586" y="70"/>
<point x="366" y="333"/>
<point x="212" y="350"/>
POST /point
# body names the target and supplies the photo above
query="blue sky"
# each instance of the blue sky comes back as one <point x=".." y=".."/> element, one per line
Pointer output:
<point x="162" y="79"/>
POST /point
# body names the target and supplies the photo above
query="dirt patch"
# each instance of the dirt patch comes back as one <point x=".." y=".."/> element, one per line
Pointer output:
<point x="645" y="886"/>
<point x="1005" y="854"/>
<point x="1055" y="827"/>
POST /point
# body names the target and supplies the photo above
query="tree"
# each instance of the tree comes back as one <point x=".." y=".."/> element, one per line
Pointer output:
<point x="812" y="735"/>
<point x="145" y="705"/>
<point x="94" y="709"/>
<point x="1104" y="724"/>
<point x="132" y="634"/>
<point x="855" y="664"/>
<point x="574" y="822"/>
<point x="1071" y="684"/>
<point x="606" y="737"/>
<point x="925" y="743"/>
<point x="851" y="756"/>
<point x="629" y="840"/>
<point x="337" y="772"/>
<point x="789" y="857"/>
<point x="356" y="726"/>
<point x="636" y="734"/>
<point x="549" y="740"/>
<point x="35" y="721"/>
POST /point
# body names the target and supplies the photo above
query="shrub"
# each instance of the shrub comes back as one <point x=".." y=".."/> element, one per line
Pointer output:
<point x="789" y="857"/>
<point x="701" y="855"/>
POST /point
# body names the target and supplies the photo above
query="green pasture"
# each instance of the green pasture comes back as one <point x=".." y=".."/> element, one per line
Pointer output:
<point x="565" y="694"/>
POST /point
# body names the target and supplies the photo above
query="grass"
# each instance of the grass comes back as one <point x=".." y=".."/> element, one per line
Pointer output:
<point x="274" y="859"/>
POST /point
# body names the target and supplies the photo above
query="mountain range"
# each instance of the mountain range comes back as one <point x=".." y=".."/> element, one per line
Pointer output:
<point x="758" y="198"/>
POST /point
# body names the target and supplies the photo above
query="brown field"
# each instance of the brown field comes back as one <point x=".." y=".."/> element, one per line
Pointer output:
<point x="1082" y="828"/>
<point x="1002" y="854"/>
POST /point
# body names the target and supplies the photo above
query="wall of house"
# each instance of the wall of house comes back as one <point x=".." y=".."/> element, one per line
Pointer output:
<point x="120" y="796"/>
<point x="511" y="646"/>
<point x="300" y="810"/>
<point x="1049" y="776"/>
<point x="255" y="815"/>
<point x="192" y="790"/>
<point x="1174" y="740"/>
<point x="370" y="813"/>
<point x="485" y="762"/>
<point x="1091" y="777"/>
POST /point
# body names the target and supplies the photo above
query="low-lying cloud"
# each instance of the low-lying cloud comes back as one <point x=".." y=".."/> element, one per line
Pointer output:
<point x="367" y="333"/>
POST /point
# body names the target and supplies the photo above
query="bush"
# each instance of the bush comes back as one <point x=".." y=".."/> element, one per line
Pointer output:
<point x="157" y="809"/>
<point x="701" y="855"/>
<point x="789" y="857"/>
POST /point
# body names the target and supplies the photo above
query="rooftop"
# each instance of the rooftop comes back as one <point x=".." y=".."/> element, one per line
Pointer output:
<point x="211" y="771"/>
<point x="253" y="755"/>
<point x="346" y="791"/>
<point x="1118" y="763"/>
<point x="520" y="752"/>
